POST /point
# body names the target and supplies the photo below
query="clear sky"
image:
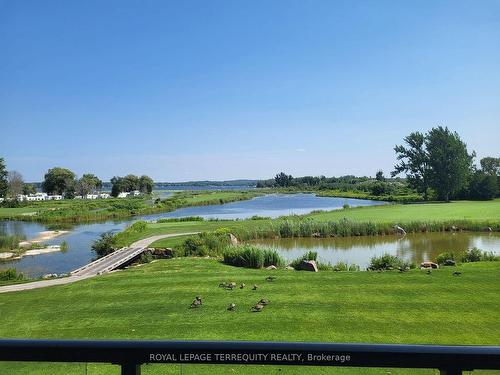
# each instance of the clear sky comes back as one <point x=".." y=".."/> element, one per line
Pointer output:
<point x="188" y="90"/>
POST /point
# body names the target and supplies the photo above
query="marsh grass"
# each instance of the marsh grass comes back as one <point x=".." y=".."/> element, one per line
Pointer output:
<point x="251" y="256"/>
<point x="10" y="242"/>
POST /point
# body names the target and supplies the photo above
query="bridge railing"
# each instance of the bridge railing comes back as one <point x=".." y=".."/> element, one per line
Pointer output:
<point x="130" y="355"/>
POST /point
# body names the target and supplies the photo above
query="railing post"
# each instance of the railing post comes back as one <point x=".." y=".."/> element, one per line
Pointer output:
<point x="130" y="369"/>
<point x="450" y="371"/>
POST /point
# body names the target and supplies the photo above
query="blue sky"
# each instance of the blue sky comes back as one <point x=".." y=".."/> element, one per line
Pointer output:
<point x="193" y="90"/>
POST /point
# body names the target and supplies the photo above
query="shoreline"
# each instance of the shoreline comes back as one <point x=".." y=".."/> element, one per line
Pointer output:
<point x="43" y="236"/>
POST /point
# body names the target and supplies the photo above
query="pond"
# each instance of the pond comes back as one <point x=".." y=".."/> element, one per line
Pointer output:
<point x="80" y="238"/>
<point x="359" y="250"/>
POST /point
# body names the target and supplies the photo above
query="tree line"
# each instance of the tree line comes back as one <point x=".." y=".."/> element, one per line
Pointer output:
<point x="436" y="164"/>
<point x="62" y="181"/>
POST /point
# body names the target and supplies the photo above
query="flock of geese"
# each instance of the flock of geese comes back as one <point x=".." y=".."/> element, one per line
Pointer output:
<point x="197" y="302"/>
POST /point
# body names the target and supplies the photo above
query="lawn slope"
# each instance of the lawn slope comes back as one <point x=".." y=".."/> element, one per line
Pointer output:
<point x="151" y="302"/>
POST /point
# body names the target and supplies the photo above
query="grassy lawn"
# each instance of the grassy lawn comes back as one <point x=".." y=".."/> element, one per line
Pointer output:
<point x="151" y="302"/>
<point x="468" y="210"/>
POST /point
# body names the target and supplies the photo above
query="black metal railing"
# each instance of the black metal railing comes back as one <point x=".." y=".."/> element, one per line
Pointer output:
<point x="130" y="355"/>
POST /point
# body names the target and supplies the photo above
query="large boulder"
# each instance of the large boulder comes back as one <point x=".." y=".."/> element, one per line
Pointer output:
<point x="308" y="265"/>
<point x="428" y="265"/>
<point x="233" y="239"/>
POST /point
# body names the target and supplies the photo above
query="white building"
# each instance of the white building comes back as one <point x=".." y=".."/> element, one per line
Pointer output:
<point x="54" y="197"/>
<point x="92" y="196"/>
<point x="104" y="195"/>
<point x="123" y="194"/>
<point x="135" y="193"/>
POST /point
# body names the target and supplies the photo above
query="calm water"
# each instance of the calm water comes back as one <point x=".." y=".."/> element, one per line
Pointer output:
<point x="272" y="205"/>
<point x="81" y="236"/>
<point x="359" y="250"/>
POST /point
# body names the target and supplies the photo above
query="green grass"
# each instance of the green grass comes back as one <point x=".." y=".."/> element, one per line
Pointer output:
<point x="459" y="210"/>
<point x="151" y="302"/>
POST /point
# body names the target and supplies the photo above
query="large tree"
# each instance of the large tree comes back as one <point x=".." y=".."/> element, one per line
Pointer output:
<point x="146" y="184"/>
<point x="16" y="184"/>
<point x="4" y="184"/>
<point x="59" y="181"/>
<point x="449" y="162"/>
<point x="29" y="189"/>
<point x="131" y="182"/>
<point x="483" y="186"/>
<point x="414" y="161"/>
<point x="283" y="180"/>
<point x="88" y="183"/>
<point x="491" y="166"/>
<point x="117" y="186"/>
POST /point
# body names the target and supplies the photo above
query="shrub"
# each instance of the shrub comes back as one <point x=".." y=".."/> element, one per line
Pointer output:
<point x="472" y="255"/>
<point x="104" y="245"/>
<point x="477" y="255"/>
<point x="387" y="262"/>
<point x="146" y="257"/>
<point x="353" y="267"/>
<point x="441" y="258"/>
<point x="340" y="266"/>
<point x="194" y="246"/>
<point x="345" y="206"/>
<point x="138" y="226"/>
<point x="10" y="274"/>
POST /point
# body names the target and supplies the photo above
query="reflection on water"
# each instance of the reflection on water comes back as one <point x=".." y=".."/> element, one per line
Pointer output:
<point x="359" y="250"/>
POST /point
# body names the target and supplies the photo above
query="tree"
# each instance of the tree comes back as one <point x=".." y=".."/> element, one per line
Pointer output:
<point x="414" y="161"/>
<point x="58" y="181"/>
<point x="16" y="184"/>
<point x="29" y="189"/>
<point x="483" y="186"/>
<point x="283" y="180"/>
<point x="146" y="184"/>
<point x="117" y="186"/>
<point x="88" y="183"/>
<point x="491" y="166"/>
<point x="450" y="164"/>
<point x="131" y="182"/>
<point x="4" y="184"/>
<point x="104" y="245"/>
<point x="380" y="175"/>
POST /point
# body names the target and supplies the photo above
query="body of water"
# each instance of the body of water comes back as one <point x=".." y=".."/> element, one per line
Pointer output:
<point x="417" y="247"/>
<point x="80" y="238"/>
<point x="271" y="205"/>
